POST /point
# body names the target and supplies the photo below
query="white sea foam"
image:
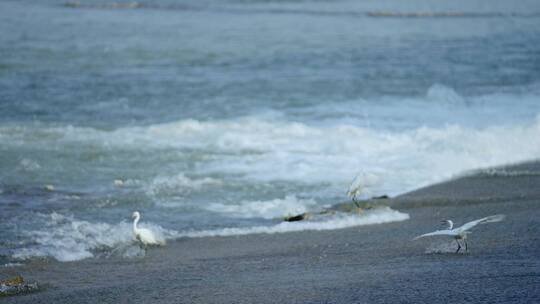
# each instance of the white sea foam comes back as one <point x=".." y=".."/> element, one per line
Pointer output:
<point x="179" y="184"/>
<point x="66" y="239"/>
<point x="443" y="94"/>
<point x="338" y="221"/>
<point x="29" y="165"/>
<point x="502" y="172"/>
<point x="8" y="265"/>
<point x="362" y="184"/>
<point x="325" y="154"/>
<point x="276" y="208"/>
<point x="261" y="149"/>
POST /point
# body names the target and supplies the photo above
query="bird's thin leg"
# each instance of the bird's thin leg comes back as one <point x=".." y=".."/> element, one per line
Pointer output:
<point x="466" y="249"/>
<point x="355" y="201"/>
<point x="458" y="246"/>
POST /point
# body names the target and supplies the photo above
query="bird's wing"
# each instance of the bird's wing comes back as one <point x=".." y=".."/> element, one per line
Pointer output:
<point x="489" y="219"/>
<point x="147" y="236"/>
<point x="150" y="238"/>
<point x="355" y="188"/>
<point x="438" y="232"/>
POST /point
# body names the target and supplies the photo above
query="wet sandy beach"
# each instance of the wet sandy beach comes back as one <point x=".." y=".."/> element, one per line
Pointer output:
<point x="368" y="264"/>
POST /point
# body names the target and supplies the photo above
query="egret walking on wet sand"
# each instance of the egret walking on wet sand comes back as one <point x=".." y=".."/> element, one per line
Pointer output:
<point x="145" y="236"/>
<point x="460" y="233"/>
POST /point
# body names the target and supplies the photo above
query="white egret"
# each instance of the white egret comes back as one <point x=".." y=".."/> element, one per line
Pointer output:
<point x="460" y="233"/>
<point x="144" y="236"/>
<point x="355" y="189"/>
<point x="361" y="184"/>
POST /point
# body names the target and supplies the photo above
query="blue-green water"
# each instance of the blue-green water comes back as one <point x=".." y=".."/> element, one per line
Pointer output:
<point x="207" y="115"/>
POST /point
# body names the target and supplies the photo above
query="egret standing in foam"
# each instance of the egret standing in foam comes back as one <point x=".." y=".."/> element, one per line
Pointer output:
<point x="145" y="236"/>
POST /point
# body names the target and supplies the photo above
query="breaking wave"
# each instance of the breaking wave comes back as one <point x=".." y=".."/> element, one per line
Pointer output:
<point x="276" y="208"/>
<point x="66" y="239"/>
<point x="339" y="221"/>
<point x="268" y="150"/>
<point x="179" y="184"/>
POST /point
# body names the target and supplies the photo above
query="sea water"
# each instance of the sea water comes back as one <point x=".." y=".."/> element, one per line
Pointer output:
<point x="217" y="118"/>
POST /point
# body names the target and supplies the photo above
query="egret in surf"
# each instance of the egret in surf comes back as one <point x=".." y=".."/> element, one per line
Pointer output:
<point x="145" y="236"/>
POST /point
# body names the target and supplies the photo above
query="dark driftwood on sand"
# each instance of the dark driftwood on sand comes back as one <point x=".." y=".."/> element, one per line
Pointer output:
<point x="296" y="218"/>
<point x="356" y="206"/>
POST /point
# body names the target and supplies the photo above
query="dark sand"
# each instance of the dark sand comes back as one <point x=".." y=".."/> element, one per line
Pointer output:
<point x="367" y="264"/>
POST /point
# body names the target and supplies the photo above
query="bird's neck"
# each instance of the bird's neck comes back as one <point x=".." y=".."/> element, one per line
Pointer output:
<point x="135" y="224"/>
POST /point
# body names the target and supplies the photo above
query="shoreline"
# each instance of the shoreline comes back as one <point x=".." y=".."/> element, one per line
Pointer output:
<point x="475" y="186"/>
<point x="364" y="264"/>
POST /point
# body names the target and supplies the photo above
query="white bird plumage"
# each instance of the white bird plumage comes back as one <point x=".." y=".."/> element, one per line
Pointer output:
<point x="361" y="184"/>
<point x="460" y="233"/>
<point x="145" y="236"/>
<point x="450" y="224"/>
<point x="355" y="189"/>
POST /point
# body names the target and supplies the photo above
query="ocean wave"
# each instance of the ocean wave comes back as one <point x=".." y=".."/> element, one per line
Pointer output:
<point x="449" y="14"/>
<point x="270" y="209"/>
<point x="27" y="164"/>
<point x="327" y="153"/>
<point x="179" y="184"/>
<point x="339" y="221"/>
<point x="443" y="94"/>
<point x="264" y="150"/>
<point x="311" y="12"/>
<point x="65" y="238"/>
<point x="501" y="172"/>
